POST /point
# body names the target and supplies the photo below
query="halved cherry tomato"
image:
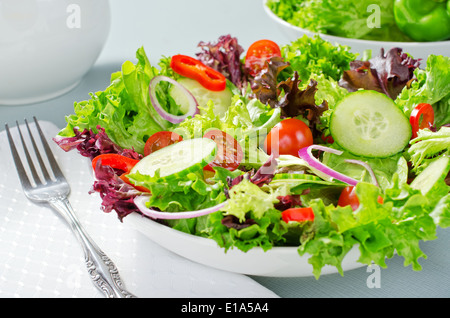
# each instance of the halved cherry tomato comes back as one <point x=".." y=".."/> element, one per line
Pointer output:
<point x="298" y="214"/>
<point x="348" y="197"/>
<point x="119" y="162"/>
<point x="229" y="153"/>
<point x="190" y="67"/>
<point x="160" y="140"/>
<point x="287" y="137"/>
<point x="421" y="117"/>
<point x="258" y="53"/>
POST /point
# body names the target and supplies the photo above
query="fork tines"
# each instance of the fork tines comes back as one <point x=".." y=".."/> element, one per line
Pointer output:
<point x="32" y="176"/>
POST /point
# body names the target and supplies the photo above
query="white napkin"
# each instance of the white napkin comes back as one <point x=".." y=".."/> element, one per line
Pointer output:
<point x="40" y="256"/>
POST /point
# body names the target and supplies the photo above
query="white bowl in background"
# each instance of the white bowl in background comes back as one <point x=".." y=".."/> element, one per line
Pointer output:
<point x="47" y="46"/>
<point x="417" y="49"/>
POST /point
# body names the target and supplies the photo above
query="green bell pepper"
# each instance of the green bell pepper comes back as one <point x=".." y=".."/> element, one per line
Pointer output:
<point x="423" y="20"/>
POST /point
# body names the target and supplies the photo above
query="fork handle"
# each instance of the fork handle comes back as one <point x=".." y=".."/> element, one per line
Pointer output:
<point x="103" y="272"/>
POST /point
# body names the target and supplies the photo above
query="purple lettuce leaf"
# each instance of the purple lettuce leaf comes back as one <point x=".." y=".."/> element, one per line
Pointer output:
<point x="224" y="57"/>
<point x="386" y="73"/>
<point x="90" y="144"/>
<point x="116" y="194"/>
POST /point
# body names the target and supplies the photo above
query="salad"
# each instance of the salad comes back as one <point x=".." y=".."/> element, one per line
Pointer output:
<point x="302" y="145"/>
<point x="377" y="20"/>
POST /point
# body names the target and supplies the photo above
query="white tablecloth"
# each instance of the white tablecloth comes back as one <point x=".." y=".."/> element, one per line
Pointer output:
<point x="40" y="256"/>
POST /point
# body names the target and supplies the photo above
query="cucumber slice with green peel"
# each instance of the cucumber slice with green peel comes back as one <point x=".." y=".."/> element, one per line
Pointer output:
<point x="295" y="176"/>
<point x="221" y="99"/>
<point x="369" y="124"/>
<point x="179" y="159"/>
<point x="297" y="180"/>
<point x="434" y="172"/>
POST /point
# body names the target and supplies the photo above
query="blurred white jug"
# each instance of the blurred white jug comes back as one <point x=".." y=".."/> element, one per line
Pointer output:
<point x="47" y="46"/>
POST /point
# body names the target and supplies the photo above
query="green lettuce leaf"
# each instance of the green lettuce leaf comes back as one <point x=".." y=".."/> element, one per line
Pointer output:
<point x="313" y="55"/>
<point x="189" y="193"/>
<point x="428" y="146"/>
<point x="432" y="86"/>
<point x="397" y="226"/>
<point x="123" y="109"/>
<point x="249" y="203"/>
<point x="247" y="197"/>
<point x="248" y="121"/>
<point x="346" y="18"/>
<point x="383" y="168"/>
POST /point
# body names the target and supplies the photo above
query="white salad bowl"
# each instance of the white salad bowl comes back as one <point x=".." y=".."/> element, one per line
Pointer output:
<point x="276" y="262"/>
<point x="419" y="50"/>
<point x="47" y="46"/>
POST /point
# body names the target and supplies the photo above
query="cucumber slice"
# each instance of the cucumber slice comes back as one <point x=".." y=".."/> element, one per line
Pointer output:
<point x="369" y="124"/>
<point x="436" y="171"/>
<point x="221" y="100"/>
<point x="296" y="176"/>
<point x="299" y="181"/>
<point x="178" y="159"/>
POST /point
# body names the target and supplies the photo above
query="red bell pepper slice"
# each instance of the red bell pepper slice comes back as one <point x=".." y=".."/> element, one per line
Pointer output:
<point x="125" y="179"/>
<point x="119" y="162"/>
<point x="208" y="77"/>
<point x="421" y="117"/>
<point x="115" y="161"/>
<point x="298" y="214"/>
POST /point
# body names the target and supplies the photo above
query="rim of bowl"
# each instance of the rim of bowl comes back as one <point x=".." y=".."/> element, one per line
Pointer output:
<point x="204" y="240"/>
<point x="279" y="20"/>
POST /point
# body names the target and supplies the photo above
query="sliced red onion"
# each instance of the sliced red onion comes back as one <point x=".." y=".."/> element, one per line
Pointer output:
<point x="305" y="154"/>
<point x="193" y="105"/>
<point x="368" y="168"/>
<point x="140" y="203"/>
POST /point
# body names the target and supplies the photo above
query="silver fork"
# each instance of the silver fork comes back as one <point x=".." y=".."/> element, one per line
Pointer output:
<point x="55" y="191"/>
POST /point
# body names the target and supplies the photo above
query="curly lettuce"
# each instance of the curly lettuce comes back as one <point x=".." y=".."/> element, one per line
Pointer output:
<point x="359" y="19"/>
<point x="123" y="109"/>
<point x="398" y="225"/>
<point x="248" y="121"/>
<point x="313" y="55"/>
<point x="431" y="86"/>
<point x="428" y="146"/>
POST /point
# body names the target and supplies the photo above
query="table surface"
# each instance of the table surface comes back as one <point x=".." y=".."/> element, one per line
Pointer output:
<point x="176" y="26"/>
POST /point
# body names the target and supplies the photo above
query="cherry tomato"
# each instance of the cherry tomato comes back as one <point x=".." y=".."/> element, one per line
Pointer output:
<point x="298" y="214"/>
<point x="258" y="53"/>
<point x="229" y="153"/>
<point x="160" y="140"/>
<point x="287" y="137"/>
<point x="421" y="117"/>
<point x="348" y="197"/>
<point x="208" y="77"/>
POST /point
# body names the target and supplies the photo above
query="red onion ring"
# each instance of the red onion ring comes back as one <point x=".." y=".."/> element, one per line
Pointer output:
<point x="367" y="167"/>
<point x="193" y="105"/>
<point x="305" y="154"/>
<point x="140" y="203"/>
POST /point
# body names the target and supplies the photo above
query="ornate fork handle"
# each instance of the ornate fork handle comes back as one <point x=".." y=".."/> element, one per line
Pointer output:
<point x="102" y="270"/>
